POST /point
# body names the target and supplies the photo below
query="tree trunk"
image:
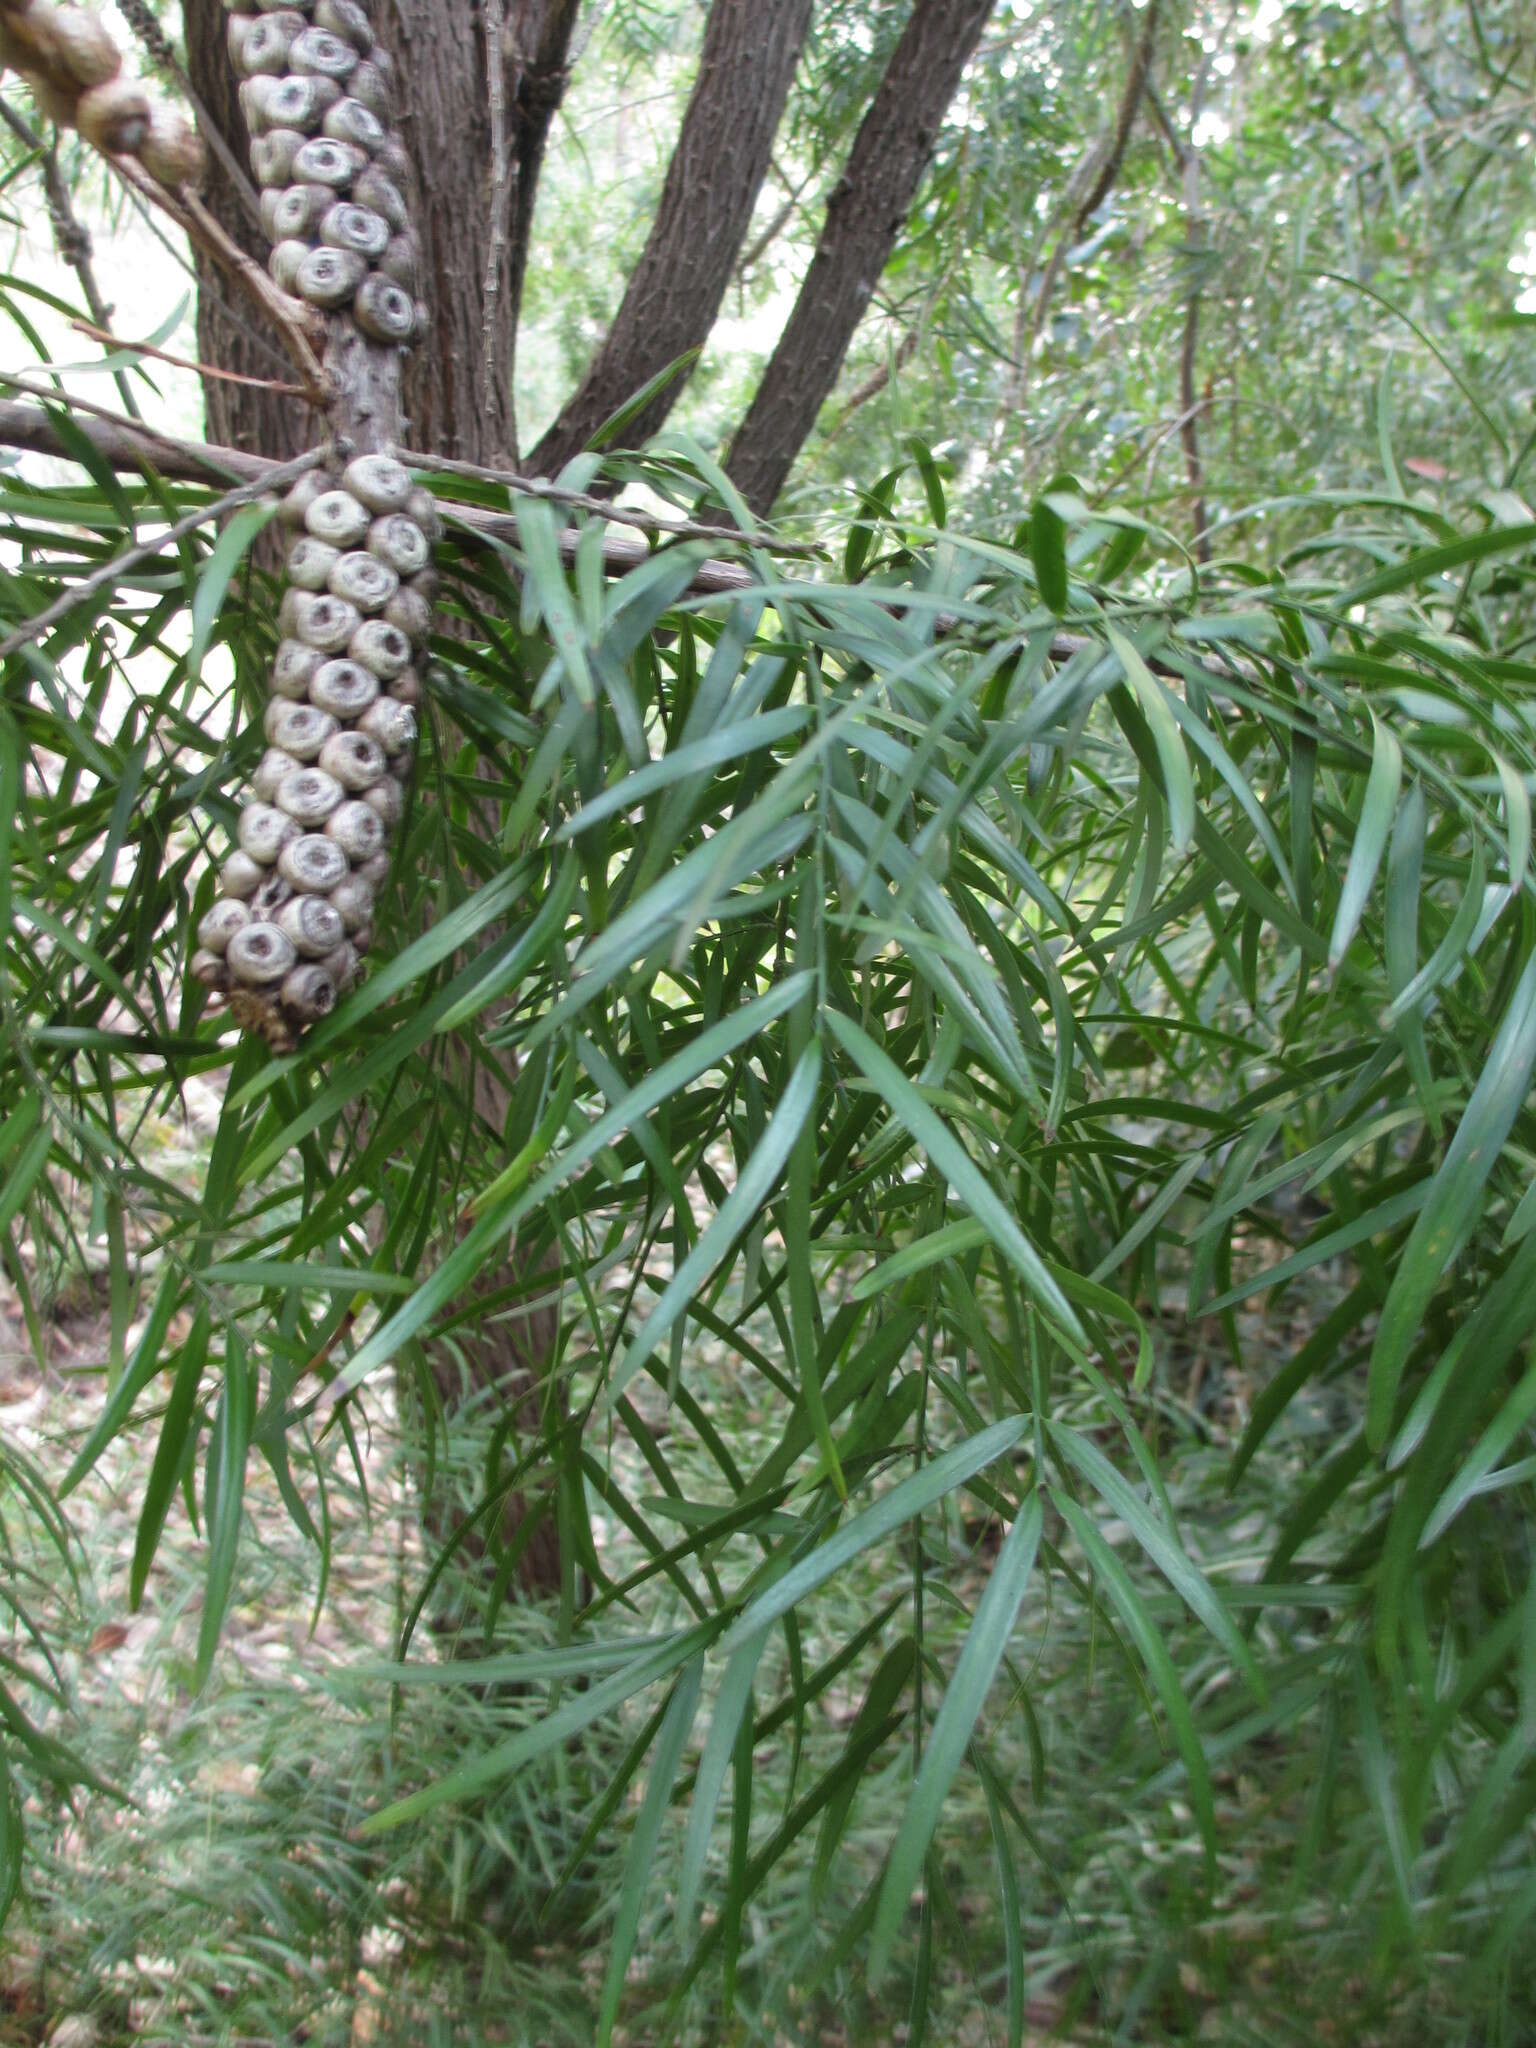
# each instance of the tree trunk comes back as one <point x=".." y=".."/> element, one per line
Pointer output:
<point x="717" y="169"/>
<point x="458" y="402"/>
<point x="459" y="397"/>
<point x="864" y="216"/>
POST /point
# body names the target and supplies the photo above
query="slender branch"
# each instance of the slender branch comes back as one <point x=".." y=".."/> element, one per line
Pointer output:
<point x="146" y="551"/>
<point x="164" y="355"/>
<point x="130" y="447"/>
<point x="1097" y="172"/>
<point x="71" y="237"/>
<point x="875" y="383"/>
<point x="125" y="443"/>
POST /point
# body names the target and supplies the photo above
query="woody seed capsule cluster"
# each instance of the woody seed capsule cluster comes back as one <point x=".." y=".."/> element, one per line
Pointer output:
<point x="294" y="914"/>
<point x="68" y="57"/>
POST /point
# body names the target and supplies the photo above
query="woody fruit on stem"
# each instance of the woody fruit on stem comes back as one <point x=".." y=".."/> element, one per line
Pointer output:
<point x="294" y="916"/>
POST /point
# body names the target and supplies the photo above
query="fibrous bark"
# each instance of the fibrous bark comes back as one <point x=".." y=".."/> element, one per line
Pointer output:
<point x="865" y="215"/>
<point x="717" y="169"/>
<point x="455" y="403"/>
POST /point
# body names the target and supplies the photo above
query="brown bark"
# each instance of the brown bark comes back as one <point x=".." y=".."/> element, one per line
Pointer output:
<point x="717" y="169"/>
<point x="864" y="216"/>
<point x="455" y="402"/>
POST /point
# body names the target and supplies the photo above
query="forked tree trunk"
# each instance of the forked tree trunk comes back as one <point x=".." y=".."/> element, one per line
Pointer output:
<point x="716" y="172"/>
<point x="865" y="214"/>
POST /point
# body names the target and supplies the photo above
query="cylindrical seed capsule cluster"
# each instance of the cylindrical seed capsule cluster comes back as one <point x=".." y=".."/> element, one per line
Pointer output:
<point x="69" y="58"/>
<point x="294" y="915"/>
<point x="316" y="88"/>
<point x="295" y="912"/>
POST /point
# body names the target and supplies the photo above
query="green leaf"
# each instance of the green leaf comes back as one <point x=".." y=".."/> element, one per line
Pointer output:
<point x="1454" y="1200"/>
<point x="1375" y="822"/>
<point x="985" y="1643"/>
<point x="756" y="1182"/>
<point x="957" y="1167"/>
<point x="1144" y="1632"/>
<point x="1152" y="696"/>
<point x="639" y="1864"/>
<point x="910" y="1498"/>
<point x="214" y="579"/>
<point x="1159" y="1543"/>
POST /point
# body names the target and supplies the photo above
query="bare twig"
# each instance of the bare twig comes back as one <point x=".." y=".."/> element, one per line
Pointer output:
<point x="130" y="447"/>
<point x="127" y="444"/>
<point x="1194" y="235"/>
<point x="874" y="384"/>
<point x="146" y="551"/>
<point x="1095" y="178"/>
<point x="163" y="355"/>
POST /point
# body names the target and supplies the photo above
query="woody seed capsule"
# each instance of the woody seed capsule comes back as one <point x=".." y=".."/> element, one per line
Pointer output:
<point x="398" y="540"/>
<point x="299" y="729"/>
<point x="260" y="955"/>
<point x="272" y="768"/>
<point x="323" y="55"/>
<point x="264" y="832"/>
<point x="310" y="563"/>
<point x="338" y="518"/>
<point x="219" y="924"/>
<point x="357" y="830"/>
<point x="298" y="212"/>
<point x="240" y="876"/>
<point x="377" y="481"/>
<point x="350" y="121"/>
<point x="323" y="162"/>
<point x="309" y="796"/>
<point x="392" y="725"/>
<point x="344" y="688"/>
<point x="309" y="993"/>
<point x="313" y="924"/>
<point x="325" y="622"/>
<point x="354" y="759"/>
<point x="329" y="277"/>
<point x="380" y="647"/>
<point x="294" y="666"/>
<point x="313" y="864"/>
<point x="301" y="102"/>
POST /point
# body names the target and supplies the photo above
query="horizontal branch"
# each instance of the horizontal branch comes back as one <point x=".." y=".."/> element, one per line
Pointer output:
<point x="126" y="446"/>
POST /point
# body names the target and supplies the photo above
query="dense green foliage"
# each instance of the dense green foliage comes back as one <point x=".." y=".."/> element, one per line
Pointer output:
<point x="954" y="983"/>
